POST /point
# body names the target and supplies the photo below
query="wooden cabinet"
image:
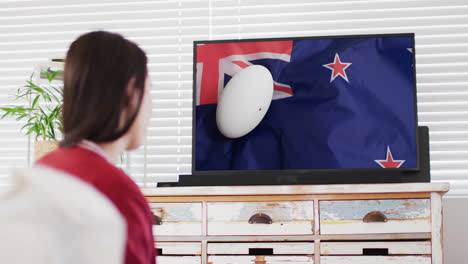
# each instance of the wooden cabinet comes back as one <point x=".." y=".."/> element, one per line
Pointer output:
<point x="260" y="260"/>
<point x="259" y="253"/>
<point x="254" y="248"/>
<point x="375" y="216"/>
<point x="179" y="252"/>
<point x="173" y="219"/>
<point x="321" y="224"/>
<point x="376" y="259"/>
<point x="410" y="252"/>
<point x="390" y="248"/>
<point x="261" y="218"/>
<point x="179" y="260"/>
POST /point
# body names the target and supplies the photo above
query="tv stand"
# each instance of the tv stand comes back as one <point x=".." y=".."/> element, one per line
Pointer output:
<point x="313" y="224"/>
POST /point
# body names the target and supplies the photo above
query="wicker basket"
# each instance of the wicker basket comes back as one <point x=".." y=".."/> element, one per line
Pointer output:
<point x="43" y="147"/>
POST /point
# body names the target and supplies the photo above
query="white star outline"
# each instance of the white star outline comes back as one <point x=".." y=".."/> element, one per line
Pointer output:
<point x="333" y="70"/>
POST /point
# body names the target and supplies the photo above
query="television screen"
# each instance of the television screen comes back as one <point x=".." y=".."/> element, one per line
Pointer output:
<point x="337" y="102"/>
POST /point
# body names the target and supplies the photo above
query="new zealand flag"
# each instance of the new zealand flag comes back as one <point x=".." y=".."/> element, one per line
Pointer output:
<point x="338" y="103"/>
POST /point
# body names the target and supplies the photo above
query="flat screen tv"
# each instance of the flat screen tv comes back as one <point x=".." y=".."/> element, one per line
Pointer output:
<point x="343" y="110"/>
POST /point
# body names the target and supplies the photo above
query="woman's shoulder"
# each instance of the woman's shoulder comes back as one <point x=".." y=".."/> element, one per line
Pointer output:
<point x="88" y="166"/>
<point x="98" y="172"/>
<point x="65" y="208"/>
<point x="66" y="157"/>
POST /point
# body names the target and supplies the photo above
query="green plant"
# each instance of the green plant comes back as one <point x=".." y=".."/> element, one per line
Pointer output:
<point x="41" y="108"/>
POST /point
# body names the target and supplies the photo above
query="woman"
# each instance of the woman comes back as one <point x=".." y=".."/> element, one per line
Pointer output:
<point x="106" y="110"/>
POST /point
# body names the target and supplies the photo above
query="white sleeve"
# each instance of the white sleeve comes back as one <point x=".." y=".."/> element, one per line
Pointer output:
<point x="94" y="231"/>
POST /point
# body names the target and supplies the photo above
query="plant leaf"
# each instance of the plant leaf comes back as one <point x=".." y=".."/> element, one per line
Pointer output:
<point x="21" y="116"/>
<point x="35" y="101"/>
<point x="38" y="89"/>
<point x="30" y="130"/>
<point x="52" y="77"/>
<point x="30" y="120"/>
<point x="5" y="115"/>
<point x="48" y="75"/>
<point x="43" y="131"/>
<point x="42" y="112"/>
<point x="34" y="128"/>
<point x="50" y="94"/>
<point x="16" y="110"/>
<point x="41" y="120"/>
<point x="51" y="130"/>
<point x="27" y="125"/>
<point x="31" y="85"/>
<point x="58" y="90"/>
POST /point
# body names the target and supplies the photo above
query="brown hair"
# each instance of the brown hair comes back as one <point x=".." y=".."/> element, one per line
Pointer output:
<point x="98" y="68"/>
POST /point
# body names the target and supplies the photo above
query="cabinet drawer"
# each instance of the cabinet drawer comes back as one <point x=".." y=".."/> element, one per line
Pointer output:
<point x="283" y="248"/>
<point x="178" y="260"/>
<point x="375" y="259"/>
<point x="177" y="219"/>
<point x="376" y="248"/>
<point x="261" y="218"/>
<point x="260" y="259"/>
<point x="375" y="216"/>
<point x="178" y="248"/>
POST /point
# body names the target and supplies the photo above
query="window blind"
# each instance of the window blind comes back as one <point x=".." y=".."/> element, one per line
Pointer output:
<point x="35" y="31"/>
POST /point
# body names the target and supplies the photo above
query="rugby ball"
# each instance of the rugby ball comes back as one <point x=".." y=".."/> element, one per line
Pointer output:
<point x="244" y="101"/>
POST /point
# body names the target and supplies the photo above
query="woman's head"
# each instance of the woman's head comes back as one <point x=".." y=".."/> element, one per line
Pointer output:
<point x="104" y="88"/>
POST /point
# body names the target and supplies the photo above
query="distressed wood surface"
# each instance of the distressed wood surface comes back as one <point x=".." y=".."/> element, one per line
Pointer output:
<point x="232" y="218"/>
<point x="298" y="189"/>
<point x="437" y="229"/>
<point x="285" y="248"/>
<point x="317" y="245"/>
<point x="269" y="194"/>
<point x="260" y="259"/>
<point x="291" y="197"/>
<point x="278" y="238"/>
<point x="204" y="253"/>
<point x="178" y="219"/>
<point x="316" y="217"/>
<point x="204" y="218"/>
<point x="404" y="216"/>
<point x="178" y="260"/>
<point x="375" y="260"/>
<point x="179" y="248"/>
<point x="394" y="248"/>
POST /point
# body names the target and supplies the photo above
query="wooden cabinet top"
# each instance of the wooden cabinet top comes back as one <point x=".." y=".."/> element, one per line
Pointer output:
<point x="298" y="189"/>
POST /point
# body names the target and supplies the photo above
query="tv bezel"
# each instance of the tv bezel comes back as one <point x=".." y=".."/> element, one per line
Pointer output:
<point x="309" y="173"/>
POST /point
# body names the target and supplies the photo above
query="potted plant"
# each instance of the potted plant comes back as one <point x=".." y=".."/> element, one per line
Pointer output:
<point x="41" y="109"/>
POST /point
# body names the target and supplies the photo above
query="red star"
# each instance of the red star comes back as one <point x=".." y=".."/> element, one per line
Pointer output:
<point x="338" y="68"/>
<point x="390" y="162"/>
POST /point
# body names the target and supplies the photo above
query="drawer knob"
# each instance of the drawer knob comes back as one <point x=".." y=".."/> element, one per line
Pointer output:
<point x="260" y="260"/>
<point x="375" y="217"/>
<point x="260" y="219"/>
<point x="157" y="220"/>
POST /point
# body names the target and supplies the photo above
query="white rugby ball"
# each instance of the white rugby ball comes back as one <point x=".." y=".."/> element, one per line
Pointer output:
<point x="244" y="101"/>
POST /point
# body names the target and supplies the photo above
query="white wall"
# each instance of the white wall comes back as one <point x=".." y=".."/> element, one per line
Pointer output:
<point x="455" y="230"/>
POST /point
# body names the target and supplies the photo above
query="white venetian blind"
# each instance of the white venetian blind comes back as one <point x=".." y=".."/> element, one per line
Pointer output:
<point x="35" y="31"/>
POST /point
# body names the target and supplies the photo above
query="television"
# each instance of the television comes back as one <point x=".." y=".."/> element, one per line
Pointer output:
<point x="343" y="110"/>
